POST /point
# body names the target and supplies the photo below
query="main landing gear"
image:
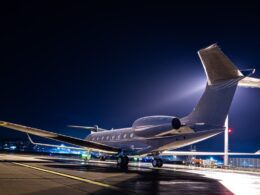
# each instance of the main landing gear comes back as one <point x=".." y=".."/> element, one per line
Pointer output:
<point x="157" y="162"/>
<point x="102" y="158"/>
<point x="122" y="161"/>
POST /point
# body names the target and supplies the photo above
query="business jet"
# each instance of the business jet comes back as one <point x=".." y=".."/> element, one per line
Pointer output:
<point x="152" y="135"/>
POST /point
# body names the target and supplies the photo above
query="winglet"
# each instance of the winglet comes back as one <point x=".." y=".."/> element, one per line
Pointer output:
<point x="30" y="139"/>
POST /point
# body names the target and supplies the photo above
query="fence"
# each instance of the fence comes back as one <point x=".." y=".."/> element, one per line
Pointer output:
<point x="245" y="162"/>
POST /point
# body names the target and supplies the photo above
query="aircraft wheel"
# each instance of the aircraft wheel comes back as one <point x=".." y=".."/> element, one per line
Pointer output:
<point x="122" y="161"/>
<point x="157" y="162"/>
<point x="126" y="160"/>
<point x="102" y="158"/>
<point x="154" y="163"/>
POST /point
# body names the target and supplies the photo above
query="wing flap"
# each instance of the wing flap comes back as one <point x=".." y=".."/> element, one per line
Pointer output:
<point x="59" y="137"/>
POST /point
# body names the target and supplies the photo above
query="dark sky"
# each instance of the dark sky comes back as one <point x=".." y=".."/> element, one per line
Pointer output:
<point x="111" y="63"/>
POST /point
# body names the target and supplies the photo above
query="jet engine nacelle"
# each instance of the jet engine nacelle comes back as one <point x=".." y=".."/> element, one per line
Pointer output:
<point x="155" y="125"/>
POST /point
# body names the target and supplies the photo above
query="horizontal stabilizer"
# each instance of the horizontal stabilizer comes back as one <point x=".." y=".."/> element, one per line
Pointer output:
<point x="95" y="128"/>
<point x="249" y="82"/>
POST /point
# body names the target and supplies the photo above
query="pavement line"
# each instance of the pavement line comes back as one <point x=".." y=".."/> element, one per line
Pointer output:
<point x="71" y="177"/>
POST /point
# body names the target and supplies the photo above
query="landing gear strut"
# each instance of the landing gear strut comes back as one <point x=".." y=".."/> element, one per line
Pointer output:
<point x="157" y="162"/>
<point x="122" y="161"/>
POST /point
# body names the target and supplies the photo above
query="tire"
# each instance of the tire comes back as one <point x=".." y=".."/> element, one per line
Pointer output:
<point x="159" y="163"/>
<point x="126" y="160"/>
<point x="122" y="161"/>
<point x="154" y="163"/>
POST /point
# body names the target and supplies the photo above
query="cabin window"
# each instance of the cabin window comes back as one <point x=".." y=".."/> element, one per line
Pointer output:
<point x="113" y="137"/>
<point x="119" y="136"/>
<point x="131" y="135"/>
<point x="107" y="137"/>
<point x="125" y="135"/>
<point x="97" y="138"/>
<point x="102" y="138"/>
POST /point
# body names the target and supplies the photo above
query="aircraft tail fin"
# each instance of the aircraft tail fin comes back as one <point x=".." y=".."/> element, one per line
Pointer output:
<point x="217" y="65"/>
<point x="222" y="80"/>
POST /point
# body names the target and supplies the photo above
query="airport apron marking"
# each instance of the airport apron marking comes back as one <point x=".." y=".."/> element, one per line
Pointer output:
<point x="71" y="177"/>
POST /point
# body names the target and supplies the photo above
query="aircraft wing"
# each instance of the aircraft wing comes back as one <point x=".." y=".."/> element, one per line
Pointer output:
<point x="59" y="137"/>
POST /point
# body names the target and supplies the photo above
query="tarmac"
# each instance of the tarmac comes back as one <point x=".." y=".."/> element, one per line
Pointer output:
<point x="41" y="174"/>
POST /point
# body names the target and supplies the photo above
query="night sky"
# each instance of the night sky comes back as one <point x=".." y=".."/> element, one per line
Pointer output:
<point x="110" y="63"/>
